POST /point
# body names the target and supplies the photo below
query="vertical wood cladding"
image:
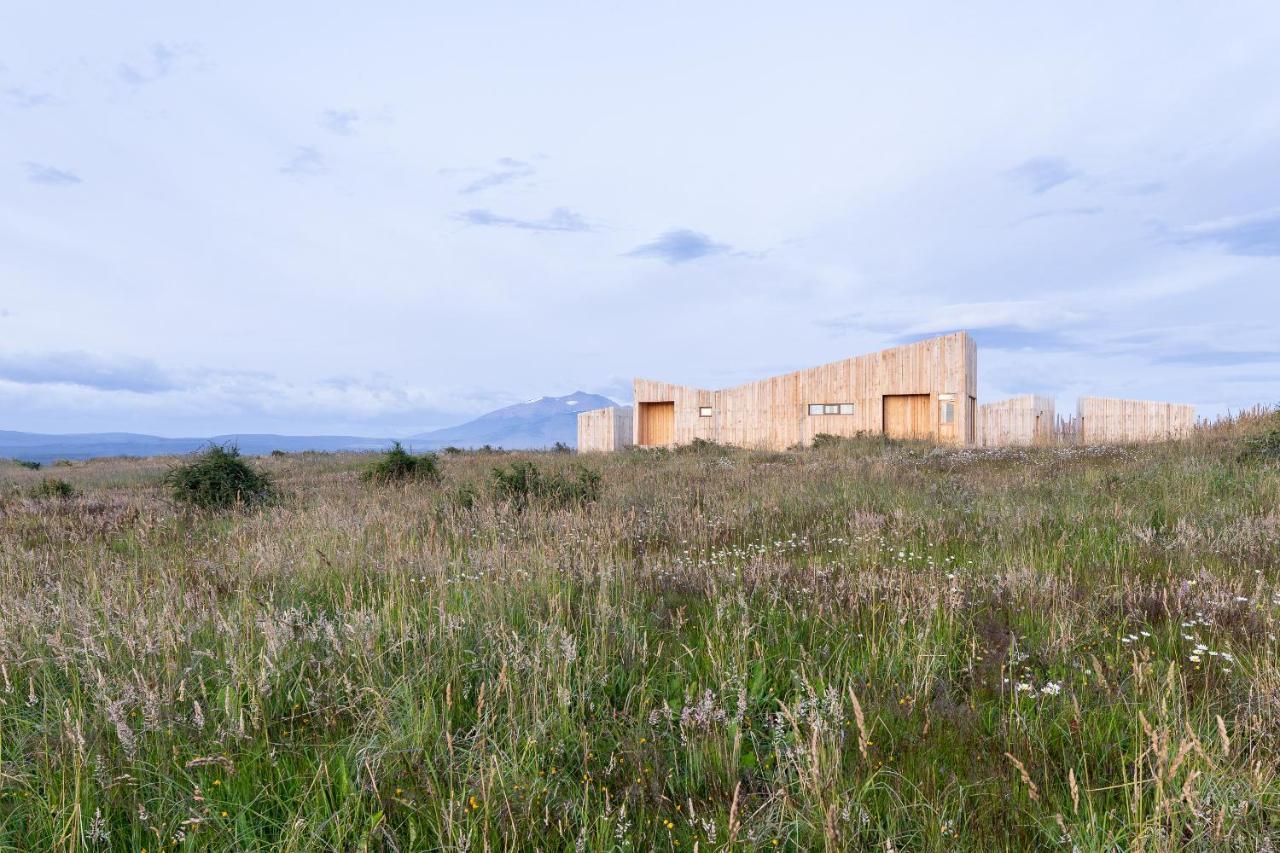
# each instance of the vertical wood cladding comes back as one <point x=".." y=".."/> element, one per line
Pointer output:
<point x="773" y="413"/>
<point x="604" y="429"/>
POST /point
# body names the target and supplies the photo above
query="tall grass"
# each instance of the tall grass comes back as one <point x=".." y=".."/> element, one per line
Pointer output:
<point x="862" y="646"/>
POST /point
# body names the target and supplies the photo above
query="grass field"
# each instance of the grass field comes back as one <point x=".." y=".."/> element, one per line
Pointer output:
<point x="860" y="646"/>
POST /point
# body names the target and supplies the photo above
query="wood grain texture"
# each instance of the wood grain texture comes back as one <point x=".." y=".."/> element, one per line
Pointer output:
<point x="773" y="413"/>
<point x="604" y="430"/>
<point x="1107" y="420"/>
<point x="1026" y="420"/>
<point x="908" y="416"/>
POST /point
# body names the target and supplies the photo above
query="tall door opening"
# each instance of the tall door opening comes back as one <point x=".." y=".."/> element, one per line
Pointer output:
<point x="657" y="425"/>
<point x="907" y="416"/>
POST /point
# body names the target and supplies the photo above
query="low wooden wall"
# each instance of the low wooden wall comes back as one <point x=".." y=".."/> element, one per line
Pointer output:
<point x="1104" y="420"/>
<point x="602" y="430"/>
<point x="1024" y="420"/>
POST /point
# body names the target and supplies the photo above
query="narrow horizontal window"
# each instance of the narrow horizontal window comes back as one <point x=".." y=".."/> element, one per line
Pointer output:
<point x="831" y="408"/>
<point x="704" y="411"/>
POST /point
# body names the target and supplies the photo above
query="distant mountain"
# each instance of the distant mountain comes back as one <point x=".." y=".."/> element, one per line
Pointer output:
<point x="532" y="425"/>
<point x="39" y="447"/>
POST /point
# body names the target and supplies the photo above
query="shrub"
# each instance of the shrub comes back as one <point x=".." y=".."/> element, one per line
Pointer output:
<point x="52" y="487"/>
<point x="1264" y="444"/>
<point x="276" y="454"/>
<point x="463" y="496"/>
<point x="62" y="463"/>
<point x="219" y="478"/>
<point x="27" y="463"/>
<point x="452" y="451"/>
<point x="397" y="464"/>
<point x="561" y="447"/>
<point x="522" y="483"/>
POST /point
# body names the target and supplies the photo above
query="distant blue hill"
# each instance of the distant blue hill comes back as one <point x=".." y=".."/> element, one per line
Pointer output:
<point x="38" y="447"/>
<point x="533" y="425"/>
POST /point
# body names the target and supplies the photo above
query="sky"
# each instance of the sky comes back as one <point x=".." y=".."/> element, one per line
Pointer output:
<point x="382" y="218"/>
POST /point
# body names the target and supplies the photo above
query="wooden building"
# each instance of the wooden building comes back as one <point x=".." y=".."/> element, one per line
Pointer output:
<point x="925" y="390"/>
<point x="1029" y="419"/>
<point x="1104" y="420"/>
<point x="605" y="429"/>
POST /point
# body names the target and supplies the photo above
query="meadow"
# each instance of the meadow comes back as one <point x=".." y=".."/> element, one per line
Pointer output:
<point x="865" y="645"/>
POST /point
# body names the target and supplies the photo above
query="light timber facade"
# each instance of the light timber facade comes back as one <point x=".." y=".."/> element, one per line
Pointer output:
<point x="924" y="391"/>
<point x="1029" y="419"/>
<point x="605" y="429"/>
<point x="1105" y="420"/>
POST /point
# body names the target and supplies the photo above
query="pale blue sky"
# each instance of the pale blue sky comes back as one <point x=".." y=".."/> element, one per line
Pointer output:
<point x="380" y="218"/>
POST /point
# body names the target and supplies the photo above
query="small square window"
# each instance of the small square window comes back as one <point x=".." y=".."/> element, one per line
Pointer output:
<point x="815" y="408"/>
<point x="846" y="408"/>
<point x="830" y="409"/>
<point x="704" y="411"/>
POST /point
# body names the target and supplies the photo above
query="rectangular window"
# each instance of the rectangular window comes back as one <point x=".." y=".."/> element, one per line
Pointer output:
<point x="704" y="411"/>
<point x="831" y="408"/>
<point x="846" y="408"/>
<point x="815" y="408"/>
<point x="948" y="411"/>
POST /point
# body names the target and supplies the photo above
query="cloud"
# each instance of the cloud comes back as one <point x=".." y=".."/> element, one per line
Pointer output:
<point x="560" y="219"/>
<point x="341" y="122"/>
<point x="84" y="369"/>
<point x="1220" y="358"/>
<point x="508" y="170"/>
<point x="162" y="59"/>
<point x="39" y="173"/>
<point x="28" y="100"/>
<point x="678" y="246"/>
<point x="1256" y="234"/>
<point x="1060" y="212"/>
<point x="1041" y="174"/>
<point x="306" y="161"/>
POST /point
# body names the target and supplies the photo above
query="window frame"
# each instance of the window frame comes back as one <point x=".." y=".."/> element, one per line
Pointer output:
<point x="831" y="409"/>
<point x="705" y="411"/>
<point x="946" y="409"/>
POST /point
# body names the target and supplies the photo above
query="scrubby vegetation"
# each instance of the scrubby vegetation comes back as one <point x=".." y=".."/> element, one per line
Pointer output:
<point x="219" y="478"/>
<point x="52" y="487"/>
<point x="867" y="645"/>
<point x="398" y="465"/>
<point x="522" y="482"/>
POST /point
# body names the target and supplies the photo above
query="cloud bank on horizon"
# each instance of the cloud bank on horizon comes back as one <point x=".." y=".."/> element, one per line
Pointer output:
<point x="203" y="233"/>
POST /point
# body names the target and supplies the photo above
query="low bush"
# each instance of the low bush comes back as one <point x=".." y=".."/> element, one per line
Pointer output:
<point x="27" y="463"/>
<point x="521" y="483"/>
<point x="397" y="465"/>
<point x="52" y="487"/>
<point x="219" y="478"/>
<point x="1265" y="443"/>
<point x="463" y="496"/>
